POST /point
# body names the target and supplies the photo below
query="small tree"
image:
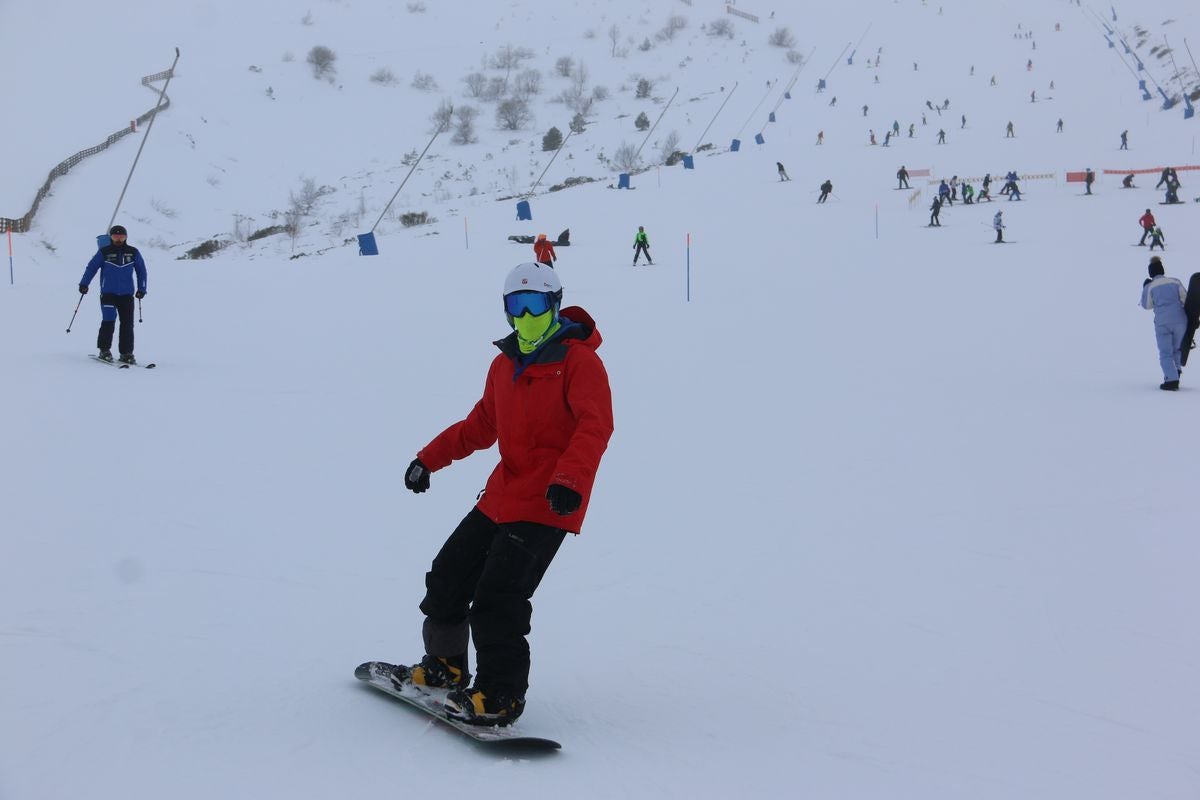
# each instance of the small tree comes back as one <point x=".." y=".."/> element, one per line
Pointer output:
<point x="643" y="88"/>
<point x="441" y="117"/>
<point x="322" y="60"/>
<point x="564" y="65"/>
<point x="476" y="83"/>
<point x="721" y="27"/>
<point x="552" y="140"/>
<point x="528" y="83"/>
<point x="578" y="123"/>
<point x="464" y="125"/>
<point x="642" y="122"/>
<point x="513" y="114"/>
<point x="423" y="81"/>
<point x="625" y="157"/>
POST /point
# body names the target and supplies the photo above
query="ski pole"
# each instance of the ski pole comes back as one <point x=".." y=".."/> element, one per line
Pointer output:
<point x="139" y="309"/>
<point x="77" y="305"/>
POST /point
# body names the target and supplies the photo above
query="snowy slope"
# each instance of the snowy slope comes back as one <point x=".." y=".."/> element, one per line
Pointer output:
<point x="915" y="497"/>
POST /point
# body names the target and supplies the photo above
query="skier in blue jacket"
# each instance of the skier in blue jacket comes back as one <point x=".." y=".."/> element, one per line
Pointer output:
<point x="1166" y="296"/>
<point x="117" y="264"/>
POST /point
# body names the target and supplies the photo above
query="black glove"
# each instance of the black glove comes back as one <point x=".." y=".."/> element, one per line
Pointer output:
<point x="416" y="477"/>
<point x="82" y="289"/>
<point x="563" y="501"/>
<point x="139" y="294"/>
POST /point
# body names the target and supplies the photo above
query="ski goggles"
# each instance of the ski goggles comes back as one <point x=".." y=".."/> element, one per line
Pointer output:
<point x="535" y="303"/>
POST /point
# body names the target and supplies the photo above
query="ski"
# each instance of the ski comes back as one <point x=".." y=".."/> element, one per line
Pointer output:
<point x="118" y="364"/>
<point x="378" y="675"/>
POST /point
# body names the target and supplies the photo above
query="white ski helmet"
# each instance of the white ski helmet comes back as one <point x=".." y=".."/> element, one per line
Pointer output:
<point x="530" y="277"/>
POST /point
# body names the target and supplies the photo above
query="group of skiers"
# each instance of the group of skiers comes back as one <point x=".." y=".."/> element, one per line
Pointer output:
<point x="543" y="248"/>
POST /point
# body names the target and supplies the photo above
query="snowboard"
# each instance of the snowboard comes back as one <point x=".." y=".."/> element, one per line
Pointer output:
<point x="1191" y="307"/>
<point x="378" y="675"/>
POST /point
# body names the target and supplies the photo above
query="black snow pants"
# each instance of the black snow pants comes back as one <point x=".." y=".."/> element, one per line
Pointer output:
<point x="640" y="249"/>
<point x="480" y="585"/>
<point x="112" y="306"/>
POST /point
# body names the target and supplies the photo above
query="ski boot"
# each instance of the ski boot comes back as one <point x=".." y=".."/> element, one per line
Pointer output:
<point x="476" y="707"/>
<point x="105" y="355"/>
<point x="434" y="672"/>
<point x="124" y="358"/>
<point x="1169" y="386"/>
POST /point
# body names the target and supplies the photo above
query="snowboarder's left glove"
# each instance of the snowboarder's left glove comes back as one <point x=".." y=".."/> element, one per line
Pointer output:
<point x="416" y="477"/>
<point x="139" y="294"/>
<point x="563" y="501"/>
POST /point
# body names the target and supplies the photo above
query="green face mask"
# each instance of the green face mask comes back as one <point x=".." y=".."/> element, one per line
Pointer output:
<point x="532" y="331"/>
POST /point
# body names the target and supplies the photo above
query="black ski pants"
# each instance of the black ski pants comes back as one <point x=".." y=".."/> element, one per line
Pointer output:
<point x="112" y="306"/>
<point x="481" y="584"/>
<point x="641" y="249"/>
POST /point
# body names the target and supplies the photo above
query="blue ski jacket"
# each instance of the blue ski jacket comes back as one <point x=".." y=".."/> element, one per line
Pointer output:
<point x="117" y="264"/>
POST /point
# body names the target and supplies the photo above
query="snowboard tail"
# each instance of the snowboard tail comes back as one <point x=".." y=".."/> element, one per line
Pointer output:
<point x="378" y="675"/>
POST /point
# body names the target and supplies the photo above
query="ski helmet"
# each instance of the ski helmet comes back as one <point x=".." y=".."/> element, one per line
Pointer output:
<point x="531" y="278"/>
<point x="117" y="230"/>
<point x="1155" y="267"/>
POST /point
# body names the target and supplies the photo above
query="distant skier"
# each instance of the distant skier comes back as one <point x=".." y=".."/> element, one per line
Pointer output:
<point x="935" y="210"/>
<point x="1058" y="128"/>
<point x="1127" y="182"/>
<point x="783" y="176"/>
<point x="1089" y="178"/>
<point x="119" y="263"/>
<point x="1157" y="239"/>
<point x="912" y="130"/>
<point x="1033" y="96"/>
<point x="641" y="244"/>
<point x="964" y="122"/>
<point x="1008" y="131"/>
<point x="998" y="224"/>
<point x="543" y="251"/>
<point x="944" y="193"/>
<point x="820" y="137"/>
<point x="887" y="138"/>
<point x="902" y="177"/>
<point x="954" y="187"/>
<point x="864" y="111"/>
<point x="1164" y="178"/>
<point x="833" y="102"/>
<point x="826" y="190"/>
<point x="872" y="135"/>
<point x="1124" y="140"/>
<point x="993" y="80"/>
<point x="1147" y="223"/>
<point x="941" y="136"/>
<point x="968" y="193"/>
<point x="1166" y="297"/>
<point x="985" y="192"/>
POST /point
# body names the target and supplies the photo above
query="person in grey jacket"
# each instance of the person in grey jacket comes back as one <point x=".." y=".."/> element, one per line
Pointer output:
<point x="1166" y="297"/>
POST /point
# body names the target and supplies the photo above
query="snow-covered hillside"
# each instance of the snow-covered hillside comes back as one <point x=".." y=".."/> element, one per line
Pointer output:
<point x="889" y="511"/>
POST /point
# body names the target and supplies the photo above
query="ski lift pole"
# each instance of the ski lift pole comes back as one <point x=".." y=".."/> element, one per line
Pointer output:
<point x="547" y="169"/>
<point x="655" y="125"/>
<point x="161" y="96"/>
<point x="738" y="135"/>
<point x="714" y="119"/>
<point x="792" y="82"/>
<point x="412" y="169"/>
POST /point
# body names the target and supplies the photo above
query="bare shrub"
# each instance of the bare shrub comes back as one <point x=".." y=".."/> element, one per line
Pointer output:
<point x="423" y="81"/>
<point x="442" y="116"/>
<point x="645" y="45"/>
<point x="564" y="65"/>
<point x="464" y="125"/>
<point x="795" y="57"/>
<point x="384" y="77"/>
<point x="323" y="62"/>
<point x="625" y="157"/>
<point x="675" y="23"/>
<point x="781" y="37"/>
<point x="600" y="93"/>
<point x="307" y="19"/>
<point x="528" y="83"/>
<point x="412" y="218"/>
<point x="496" y="88"/>
<point x="416" y="8"/>
<point x="513" y="114"/>
<point x="668" y="148"/>
<point x="721" y="27"/>
<point x="476" y="83"/>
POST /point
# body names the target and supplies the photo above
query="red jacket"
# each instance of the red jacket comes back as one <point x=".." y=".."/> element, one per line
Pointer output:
<point x="1147" y="220"/>
<point x="553" y="422"/>
<point x="543" y="251"/>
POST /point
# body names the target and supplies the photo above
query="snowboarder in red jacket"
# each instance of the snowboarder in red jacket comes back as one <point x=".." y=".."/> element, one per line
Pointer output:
<point x="548" y="404"/>
<point x="1147" y="222"/>
<point x="543" y="250"/>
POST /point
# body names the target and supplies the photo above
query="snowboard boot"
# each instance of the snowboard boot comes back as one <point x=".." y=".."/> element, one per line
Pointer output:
<point x="124" y="358"/>
<point x="477" y="707"/>
<point x="1169" y="386"/>
<point x="435" y="672"/>
<point x="105" y="355"/>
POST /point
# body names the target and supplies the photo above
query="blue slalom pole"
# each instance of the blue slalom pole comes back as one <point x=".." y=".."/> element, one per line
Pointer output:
<point x="689" y="267"/>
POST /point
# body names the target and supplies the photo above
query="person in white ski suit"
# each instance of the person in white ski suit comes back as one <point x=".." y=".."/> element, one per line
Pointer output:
<point x="998" y="224"/>
<point x="1166" y="296"/>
